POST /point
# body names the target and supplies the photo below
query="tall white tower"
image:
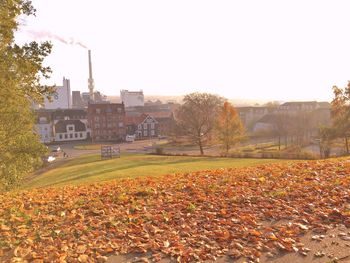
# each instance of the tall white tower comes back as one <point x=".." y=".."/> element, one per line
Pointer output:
<point x="90" y="80"/>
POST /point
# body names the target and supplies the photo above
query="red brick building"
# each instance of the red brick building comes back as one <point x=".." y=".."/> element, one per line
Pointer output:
<point x="107" y="121"/>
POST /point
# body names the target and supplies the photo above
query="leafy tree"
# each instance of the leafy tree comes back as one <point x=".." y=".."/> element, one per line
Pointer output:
<point x="197" y="117"/>
<point x="21" y="69"/>
<point x="341" y="113"/>
<point x="229" y="127"/>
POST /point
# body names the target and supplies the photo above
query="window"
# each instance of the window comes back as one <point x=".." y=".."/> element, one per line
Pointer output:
<point x="152" y="125"/>
<point x="97" y="118"/>
<point x="139" y="127"/>
<point x="109" y="125"/>
<point x="120" y="124"/>
<point x="97" y="126"/>
<point x="60" y="136"/>
<point x="81" y="135"/>
<point x="98" y="111"/>
<point x="75" y="135"/>
<point x="145" y="126"/>
<point x="71" y="135"/>
<point x="152" y="132"/>
<point x="66" y="136"/>
<point x="145" y="133"/>
<point x="119" y="110"/>
<point x="70" y="128"/>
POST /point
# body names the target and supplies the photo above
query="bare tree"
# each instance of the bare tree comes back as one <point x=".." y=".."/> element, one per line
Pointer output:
<point x="197" y="116"/>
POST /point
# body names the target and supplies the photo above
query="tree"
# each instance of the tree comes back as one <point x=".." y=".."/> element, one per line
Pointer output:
<point x="341" y="113"/>
<point x="229" y="127"/>
<point x="327" y="134"/>
<point x="197" y="117"/>
<point x="21" y="69"/>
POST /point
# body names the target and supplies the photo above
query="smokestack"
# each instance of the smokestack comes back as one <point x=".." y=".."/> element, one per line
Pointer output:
<point x="91" y="80"/>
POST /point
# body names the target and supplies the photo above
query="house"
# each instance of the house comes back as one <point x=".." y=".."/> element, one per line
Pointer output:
<point x="72" y="115"/>
<point x="166" y="121"/>
<point x="107" y="121"/>
<point x="43" y="126"/>
<point x="250" y="115"/>
<point x="143" y="126"/>
<point x="70" y="130"/>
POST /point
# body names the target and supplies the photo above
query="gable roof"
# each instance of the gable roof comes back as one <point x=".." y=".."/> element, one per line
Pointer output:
<point x="72" y="114"/>
<point x="61" y="126"/>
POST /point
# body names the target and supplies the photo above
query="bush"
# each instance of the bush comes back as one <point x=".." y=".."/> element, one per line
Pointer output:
<point x="159" y="151"/>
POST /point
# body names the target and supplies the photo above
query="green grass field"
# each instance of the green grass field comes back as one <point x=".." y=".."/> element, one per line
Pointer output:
<point x="88" y="147"/>
<point x="91" y="168"/>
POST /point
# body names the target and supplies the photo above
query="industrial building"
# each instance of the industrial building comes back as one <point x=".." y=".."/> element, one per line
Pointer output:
<point x="132" y="98"/>
<point x="61" y="99"/>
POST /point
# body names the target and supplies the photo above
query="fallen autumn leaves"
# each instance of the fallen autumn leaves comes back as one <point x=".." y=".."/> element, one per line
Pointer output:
<point x="198" y="216"/>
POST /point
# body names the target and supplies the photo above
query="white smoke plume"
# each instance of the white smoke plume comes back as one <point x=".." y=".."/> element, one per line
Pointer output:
<point x="50" y="35"/>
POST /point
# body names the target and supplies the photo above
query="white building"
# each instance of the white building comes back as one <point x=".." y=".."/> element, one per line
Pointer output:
<point x="70" y="130"/>
<point x="61" y="99"/>
<point x="44" y="130"/>
<point x="132" y="98"/>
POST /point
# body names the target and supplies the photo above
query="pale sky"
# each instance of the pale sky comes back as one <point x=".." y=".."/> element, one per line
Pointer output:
<point x="250" y="49"/>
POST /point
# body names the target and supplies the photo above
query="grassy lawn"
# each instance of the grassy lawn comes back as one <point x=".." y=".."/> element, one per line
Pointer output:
<point x="91" y="168"/>
<point x="88" y="147"/>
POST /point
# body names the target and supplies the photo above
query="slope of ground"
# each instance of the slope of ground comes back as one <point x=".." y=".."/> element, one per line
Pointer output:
<point x="247" y="213"/>
<point x="91" y="168"/>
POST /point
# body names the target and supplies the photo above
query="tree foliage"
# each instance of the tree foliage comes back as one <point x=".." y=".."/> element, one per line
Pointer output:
<point x="229" y="127"/>
<point x="341" y="112"/>
<point x="21" y="69"/>
<point x="197" y="116"/>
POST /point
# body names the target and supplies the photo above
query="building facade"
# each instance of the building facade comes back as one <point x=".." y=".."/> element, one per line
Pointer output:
<point x="70" y="130"/>
<point x="107" y="121"/>
<point x="132" y="98"/>
<point x="43" y="126"/>
<point x="61" y="99"/>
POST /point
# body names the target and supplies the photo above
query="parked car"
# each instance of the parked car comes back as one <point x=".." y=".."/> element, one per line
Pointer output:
<point x="56" y="150"/>
<point x="130" y="138"/>
<point x="48" y="159"/>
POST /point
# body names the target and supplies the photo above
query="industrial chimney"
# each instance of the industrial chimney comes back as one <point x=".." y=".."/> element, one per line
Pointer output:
<point x="91" y="80"/>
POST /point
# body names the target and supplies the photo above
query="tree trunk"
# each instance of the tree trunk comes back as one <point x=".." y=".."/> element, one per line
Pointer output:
<point x="279" y="143"/>
<point x="347" y="144"/>
<point x="227" y="148"/>
<point x="200" y="146"/>
<point x="286" y="141"/>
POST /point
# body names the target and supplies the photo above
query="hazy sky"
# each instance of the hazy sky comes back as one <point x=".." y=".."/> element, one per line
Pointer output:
<point x="278" y="50"/>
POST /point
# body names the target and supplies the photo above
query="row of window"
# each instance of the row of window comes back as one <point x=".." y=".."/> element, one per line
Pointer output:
<point x="71" y="135"/>
<point x="109" y="119"/>
<point x="145" y="133"/>
<point x="109" y="125"/>
<point x="145" y="126"/>
<point x="114" y="132"/>
<point x="108" y="110"/>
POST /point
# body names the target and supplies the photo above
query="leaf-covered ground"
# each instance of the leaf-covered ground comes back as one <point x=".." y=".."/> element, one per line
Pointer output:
<point x="242" y="212"/>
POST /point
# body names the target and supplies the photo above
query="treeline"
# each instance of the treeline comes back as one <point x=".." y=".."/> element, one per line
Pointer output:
<point x="206" y="118"/>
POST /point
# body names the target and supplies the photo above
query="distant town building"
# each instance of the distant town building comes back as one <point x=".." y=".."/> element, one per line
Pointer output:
<point x="132" y="98"/>
<point x="70" y="130"/>
<point x="61" y="99"/>
<point x="298" y="106"/>
<point x="77" y="101"/>
<point x="43" y="126"/>
<point x="107" y="121"/>
<point x="143" y="126"/>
